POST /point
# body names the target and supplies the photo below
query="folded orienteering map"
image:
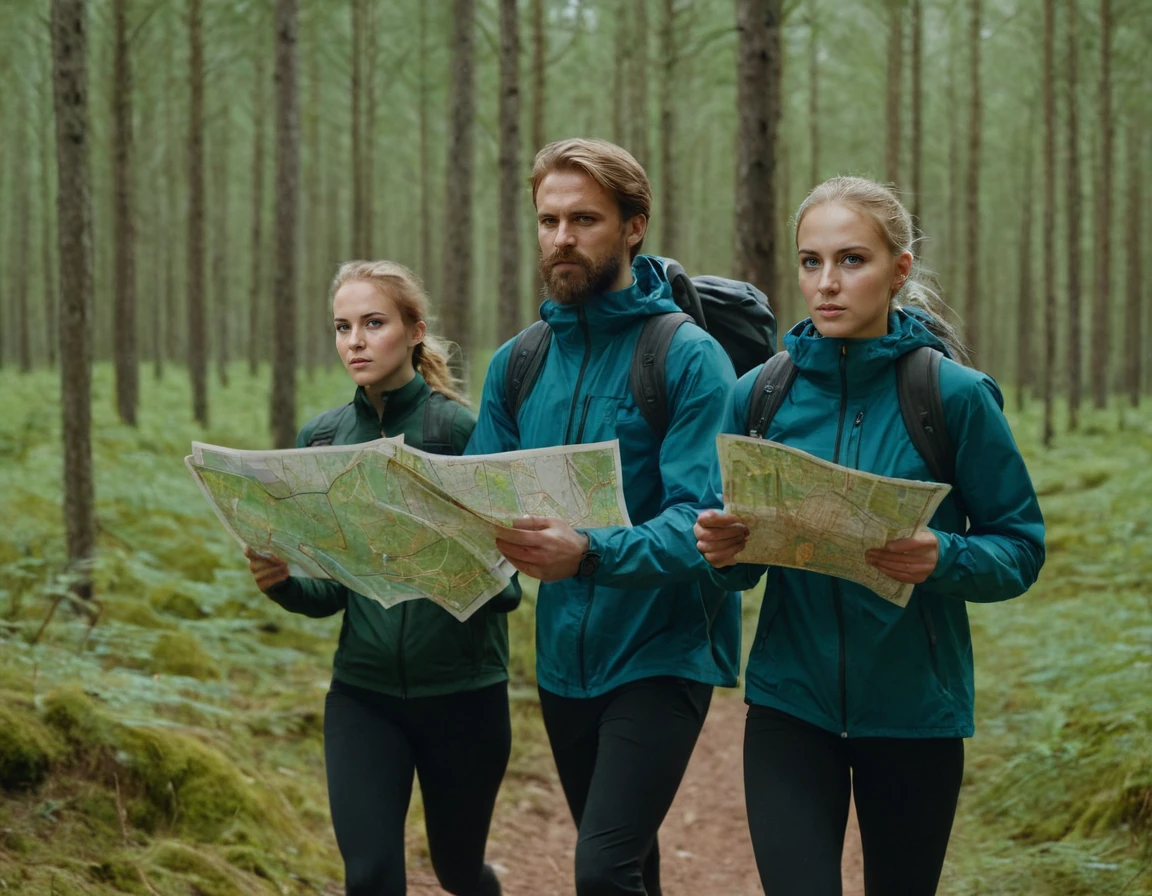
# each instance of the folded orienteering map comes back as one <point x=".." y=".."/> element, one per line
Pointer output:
<point x="393" y="523"/>
<point x="810" y="514"/>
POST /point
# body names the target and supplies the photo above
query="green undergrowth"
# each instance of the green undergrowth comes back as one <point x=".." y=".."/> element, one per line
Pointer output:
<point x="175" y="745"/>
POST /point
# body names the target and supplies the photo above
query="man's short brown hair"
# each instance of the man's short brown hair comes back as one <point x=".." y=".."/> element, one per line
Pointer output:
<point x="611" y="166"/>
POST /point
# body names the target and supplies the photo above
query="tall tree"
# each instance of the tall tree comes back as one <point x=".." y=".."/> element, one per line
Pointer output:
<point x="670" y="62"/>
<point x="1102" y="304"/>
<point x="21" y="235"/>
<point x="1025" y="309"/>
<point x="197" y="319"/>
<point x="917" y="111"/>
<point x="257" y="293"/>
<point x="1073" y="212"/>
<point x="508" y="290"/>
<point x="425" y="152"/>
<point x="457" y="283"/>
<point x="175" y="346"/>
<point x="539" y="76"/>
<point x="1134" y="313"/>
<point x="221" y="249"/>
<point x="621" y="60"/>
<point x="638" y="113"/>
<point x="892" y="93"/>
<point x="74" y="230"/>
<point x="368" y="131"/>
<point x="972" y="188"/>
<point x="1048" y="235"/>
<point x="360" y="151"/>
<point x="127" y="368"/>
<point x="758" y="111"/>
<point x="47" y="259"/>
<point x="813" y="92"/>
<point x="285" y="287"/>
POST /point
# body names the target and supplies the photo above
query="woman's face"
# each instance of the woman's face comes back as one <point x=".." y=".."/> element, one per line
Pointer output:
<point x="372" y="338"/>
<point x="847" y="273"/>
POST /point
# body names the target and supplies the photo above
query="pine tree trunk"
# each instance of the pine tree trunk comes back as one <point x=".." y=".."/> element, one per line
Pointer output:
<point x="74" y="229"/>
<point x="638" y="113"/>
<point x="368" y="156"/>
<point x="621" y="60"/>
<point x="539" y="86"/>
<point x="1073" y="213"/>
<point x="669" y="214"/>
<point x="124" y="350"/>
<point x="312" y="309"/>
<point x="1048" y="235"/>
<point x="955" y="271"/>
<point x="425" y="155"/>
<point x="758" y="113"/>
<point x="972" y="188"/>
<point x="1134" y="313"/>
<point x="1102" y="304"/>
<point x="511" y="183"/>
<point x="457" y="284"/>
<point x="359" y="185"/>
<point x="917" y="112"/>
<point x="21" y="242"/>
<point x="895" y="60"/>
<point x="47" y="260"/>
<point x="813" y="93"/>
<point x="257" y="292"/>
<point x="1025" y="309"/>
<point x="221" y="250"/>
<point x="283" y="408"/>
<point x="197" y="323"/>
<point x="175" y="343"/>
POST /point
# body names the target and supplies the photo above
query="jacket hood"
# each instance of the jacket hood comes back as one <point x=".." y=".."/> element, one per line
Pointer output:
<point x="818" y="356"/>
<point x="606" y="314"/>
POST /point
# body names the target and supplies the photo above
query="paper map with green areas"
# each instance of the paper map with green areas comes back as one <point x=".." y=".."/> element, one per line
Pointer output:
<point x="393" y="523"/>
<point x="811" y="514"/>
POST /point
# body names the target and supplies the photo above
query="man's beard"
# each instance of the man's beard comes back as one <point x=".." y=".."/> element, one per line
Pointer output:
<point x="575" y="286"/>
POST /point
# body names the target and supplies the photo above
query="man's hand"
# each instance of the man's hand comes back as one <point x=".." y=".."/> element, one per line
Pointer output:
<point x="720" y="537"/>
<point x="268" y="569"/>
<point x="543" y="547"/>
<point x="908" y="560"/>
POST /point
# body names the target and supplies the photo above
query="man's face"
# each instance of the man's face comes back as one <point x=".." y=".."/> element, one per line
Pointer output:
<point x="584" y="244"/>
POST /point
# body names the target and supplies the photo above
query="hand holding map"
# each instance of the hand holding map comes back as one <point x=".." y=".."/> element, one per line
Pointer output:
<point x="393" y="523"/>
<point x="808" y="513"/>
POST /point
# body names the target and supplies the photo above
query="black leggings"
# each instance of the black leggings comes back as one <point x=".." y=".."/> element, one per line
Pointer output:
<point x="457" y="743"/>
<point x="797" y="782"/>
<point x="620" y="757"/>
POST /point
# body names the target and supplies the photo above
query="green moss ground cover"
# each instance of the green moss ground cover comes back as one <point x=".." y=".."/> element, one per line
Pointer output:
<point x="176" y="747"/>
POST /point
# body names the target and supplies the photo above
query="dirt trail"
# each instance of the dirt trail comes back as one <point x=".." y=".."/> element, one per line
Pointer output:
<point x="704" y="845"/>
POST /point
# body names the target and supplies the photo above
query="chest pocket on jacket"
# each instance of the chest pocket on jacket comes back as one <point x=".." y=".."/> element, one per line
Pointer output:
<point x="595" y="419"/>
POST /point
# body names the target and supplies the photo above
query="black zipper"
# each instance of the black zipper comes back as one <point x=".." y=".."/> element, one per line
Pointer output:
<point x="400" y="656"/>
<point x="583" y="420"/>
<point x="837" y="600"/>
<point x="580" y="378"/>
<point x="858" y="435"/>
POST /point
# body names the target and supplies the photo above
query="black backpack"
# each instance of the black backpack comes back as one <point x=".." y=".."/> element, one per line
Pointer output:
<point x="917" y="389"/>
<point x="439" y="413"/>
<point x="735" y="313"/>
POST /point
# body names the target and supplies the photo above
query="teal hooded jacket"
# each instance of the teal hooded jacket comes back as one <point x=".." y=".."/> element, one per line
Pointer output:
<point x="832" y="652"/>
<point x="651" y="608"/>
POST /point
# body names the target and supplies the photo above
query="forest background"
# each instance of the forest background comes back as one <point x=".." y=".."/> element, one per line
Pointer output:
<point x="179" y="181"/>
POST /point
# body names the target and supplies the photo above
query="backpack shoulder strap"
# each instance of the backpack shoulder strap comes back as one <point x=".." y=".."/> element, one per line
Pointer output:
<point x="524" y="363"/>
<point x="326" y="425"/>
<point x="768" y="390"/>
<point x="439" y="413"/>
<point x="921" y="406"/>
<point x="649" y="385"/>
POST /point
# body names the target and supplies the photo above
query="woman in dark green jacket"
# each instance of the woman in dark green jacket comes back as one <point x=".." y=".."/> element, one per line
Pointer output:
<point x="848" y="693"/>
<point x="413" y="690"/>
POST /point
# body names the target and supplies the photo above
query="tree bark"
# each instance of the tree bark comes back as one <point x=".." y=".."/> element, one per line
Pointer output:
<point x="257" y="293"/>
<point x="621" y="57"/>
<point x="21" y="238"/>
<point x="1073" y="198"/>
<point x="283" y="408"/>
<point x="312" y="308"/>
<point x="892" y="93"/>
<point x="1102" y="304"/>
<point x="511" y="191"/>
<point x="917" y="112"/>
<point x="972" y="188"/>
<point x="758" y="112"/>
<point x="1134" y="313"/>
<point x="813" y="93"/>
<point x="221" y="249"/>
<point x="74" y="231"/>
<point x="457" y="284"/>
<point x="124" y="279"/>
<point x="197" y="323"/>
<point x="1025" y="309"/>
<point x="1048" y="236"/>
<point x="638" y="113"/>
<point x="368" y="157"/>
<point x="669" y="213"/>
<point x="425" y="154"/>
<point x="175" y="341"/>
<point x="359" y="191"/>
<point x="47" y="260"/>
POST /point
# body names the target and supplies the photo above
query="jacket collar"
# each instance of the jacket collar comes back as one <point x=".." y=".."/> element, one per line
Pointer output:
<point x="865" y="360"/>
<point x="605" y="315"/>
<point x="398" y="403"/>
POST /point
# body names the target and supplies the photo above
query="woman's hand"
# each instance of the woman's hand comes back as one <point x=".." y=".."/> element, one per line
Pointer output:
<point x="720" y="537"/>
<point x="267" y="569"/>
<point x="908" y="560"/>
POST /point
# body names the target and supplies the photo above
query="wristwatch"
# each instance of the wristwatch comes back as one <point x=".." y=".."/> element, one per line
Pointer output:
<point x="589" y="563"/>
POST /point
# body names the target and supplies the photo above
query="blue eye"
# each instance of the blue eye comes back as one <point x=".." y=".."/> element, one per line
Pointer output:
<point x="340" y="328"/>
<point x="853" y="259"/>
<point x="809" y="262"/>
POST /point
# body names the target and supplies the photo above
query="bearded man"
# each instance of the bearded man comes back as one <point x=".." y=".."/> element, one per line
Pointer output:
<point x="631" y="632"/>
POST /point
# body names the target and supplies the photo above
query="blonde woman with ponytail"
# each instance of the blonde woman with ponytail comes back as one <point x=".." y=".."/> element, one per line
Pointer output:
<point x="850" y="695"/>
<point x="413" y="691"/>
